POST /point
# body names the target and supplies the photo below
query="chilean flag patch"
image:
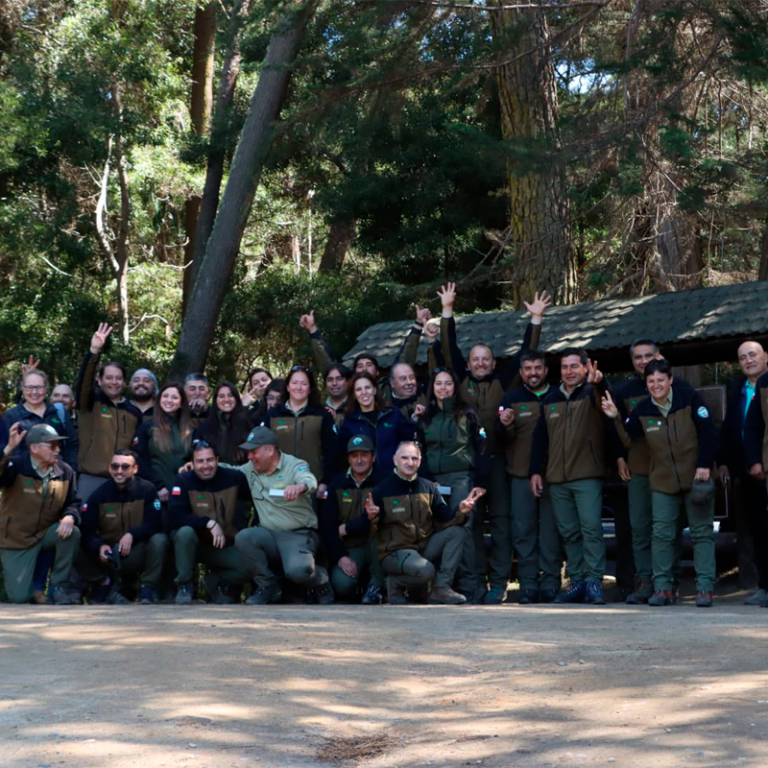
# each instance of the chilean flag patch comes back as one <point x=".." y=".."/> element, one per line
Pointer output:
<point x="176" y="491"/>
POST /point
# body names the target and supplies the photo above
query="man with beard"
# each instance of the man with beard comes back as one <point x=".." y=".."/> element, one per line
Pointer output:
<point x="121" y="534"/>
<point x="107" y="421"/>
<point x="534" y="529"/>
<point x="144" y="388"/>
<point x="336" y="379"/>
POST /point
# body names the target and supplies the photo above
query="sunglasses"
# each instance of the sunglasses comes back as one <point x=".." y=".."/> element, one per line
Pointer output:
<point x="116" y="467"/>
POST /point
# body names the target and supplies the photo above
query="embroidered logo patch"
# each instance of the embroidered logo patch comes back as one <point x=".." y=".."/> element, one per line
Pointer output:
<point x="157" y="504"/>
<point x="703" y="412"/>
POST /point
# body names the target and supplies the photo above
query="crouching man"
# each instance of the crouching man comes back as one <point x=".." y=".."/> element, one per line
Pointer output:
<point x="407" y="508"/>
<point x="121" y="534"/>
<point x="286" y="536"/>
<point x="39" y="509"/>
<point x="208" y="506"/>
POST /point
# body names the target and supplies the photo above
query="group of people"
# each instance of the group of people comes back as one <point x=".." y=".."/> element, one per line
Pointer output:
<point x="384" y="491"/>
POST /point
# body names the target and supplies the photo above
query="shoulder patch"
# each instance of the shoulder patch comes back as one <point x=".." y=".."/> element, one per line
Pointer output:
<point x="84" y="507"/>
<point x="302" y="468"/>
<point x="703" y="412"/>
<point x="157" y="504"/>
<point x="481" y="432"/>
<point x="176" y="491"/>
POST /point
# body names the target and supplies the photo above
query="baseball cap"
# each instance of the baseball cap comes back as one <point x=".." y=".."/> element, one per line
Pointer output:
<point x="42" y="433"/>
<point x="360" y="443"/>
<point x="258" y="437"/>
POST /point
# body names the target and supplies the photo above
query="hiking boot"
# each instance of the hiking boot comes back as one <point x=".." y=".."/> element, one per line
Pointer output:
<point x="662" y="597"/>
<point x="704" y="599"/>
<point x="38" y="597"/>
<point x="115" y="597"/>
<point x="184" y="594"/>
<point x="58" y="595"/>
<point x="574" y="594"/>
<point x="756" y="598"/>
<point x="373" y="595"/>
<point x="642" y="594"/>
<point x="548" y="595"/>
<point x="147" y="595"/>
<point x="446" y="596"/>
<point x="529" y="597"/>
<point x="324" y="594"/>
<point x="395" y="593"/>
<point x="494" y="596"/>
<point x="265" y="596"/>
<point x="594" y="594"/>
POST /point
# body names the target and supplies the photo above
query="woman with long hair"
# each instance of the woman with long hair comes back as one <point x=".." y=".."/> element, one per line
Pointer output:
<point x="164" y="443"/>
<point x="456" y="457"/>
<point x="227" y="424"/>
<point x="303" y="427"/>
<point x="366" y="415"/>
<point x="255" y="389"/>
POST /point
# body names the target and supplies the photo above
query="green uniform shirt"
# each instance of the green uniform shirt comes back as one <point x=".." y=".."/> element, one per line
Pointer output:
<point x="275" y="513"/>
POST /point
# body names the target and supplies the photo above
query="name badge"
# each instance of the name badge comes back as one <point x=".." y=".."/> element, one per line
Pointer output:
<point x="277" y="492"/>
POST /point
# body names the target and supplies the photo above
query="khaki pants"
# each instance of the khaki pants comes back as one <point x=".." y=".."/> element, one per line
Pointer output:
<point x="413" y="569"/>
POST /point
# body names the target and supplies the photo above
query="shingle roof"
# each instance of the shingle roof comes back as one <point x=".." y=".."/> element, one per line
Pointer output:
<point x="698" y="315"/>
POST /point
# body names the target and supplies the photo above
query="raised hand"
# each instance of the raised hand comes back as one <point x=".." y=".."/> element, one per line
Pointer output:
<point x="539" y="304"/>
<point x="468" y="504"/>
<point x="609" y="407"/>
<point x="594" y="376"/>
<point x="447" y="294"/>
<point x="430" y="331"/>
<point x="307" y="322"/>
<point x="15" y="437"/>
<point x="422" y="315"/>
<point x="507" y="417"/>
<point x="371" y="509"/>
<point x="30" y="365"/>
<point x="99" y="339"/>
<point x="248" y="397"/>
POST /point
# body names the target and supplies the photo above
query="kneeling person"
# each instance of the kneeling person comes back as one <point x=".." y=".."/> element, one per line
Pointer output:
<point x="208" y="506"/>
<point x="286" y="536"/>
<point x="407" y="508"/>
<point x="39" y="509"/>
<point x="121" y="533"/>
<point x="346" y="529"/>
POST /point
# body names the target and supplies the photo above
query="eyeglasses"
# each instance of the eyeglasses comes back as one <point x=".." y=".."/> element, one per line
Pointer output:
<point x="35" y="387"/>
<point x="201" y="444"/>
<point x="116" y="467"/>
<point x="441" y="369"/>
<point x="300" y="368"/>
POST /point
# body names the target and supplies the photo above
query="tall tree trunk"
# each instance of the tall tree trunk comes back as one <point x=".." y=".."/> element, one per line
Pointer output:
<point x="340" y="237"/>
<point x="540" y="230"/>
<point x="201" y="104"/>
<point x="215" y="170"/>
<point x="223" y="246"/>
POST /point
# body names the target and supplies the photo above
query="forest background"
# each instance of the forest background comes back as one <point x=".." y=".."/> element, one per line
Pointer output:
<point x="202" y="173"/>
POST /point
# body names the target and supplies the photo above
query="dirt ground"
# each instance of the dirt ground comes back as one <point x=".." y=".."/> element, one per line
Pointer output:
<point x="411" y="686"/>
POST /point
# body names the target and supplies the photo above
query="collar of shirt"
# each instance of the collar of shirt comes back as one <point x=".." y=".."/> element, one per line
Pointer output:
<point x="296" y="413"/>
<point x="352" y="476"/>
<point x="336" y="408"/>
<point x="666" y="406"/>
<point x="407" y="479"/>
<point x="541" y="393"/>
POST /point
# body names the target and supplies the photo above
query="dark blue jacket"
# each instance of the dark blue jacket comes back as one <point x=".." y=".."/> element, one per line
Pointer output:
<point x="52" y="417"/>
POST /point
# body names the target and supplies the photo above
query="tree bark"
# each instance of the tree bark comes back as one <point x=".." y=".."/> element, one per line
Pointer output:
<point x="540" y="229"/>
<point x="201" y="104"/>
<point x="223" y="246"/>
<point x="340" y="237"/>
<point x="215" y="169"/>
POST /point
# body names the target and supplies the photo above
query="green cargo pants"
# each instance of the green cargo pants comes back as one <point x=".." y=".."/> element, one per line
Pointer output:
<point x="367" y="560"/>
<point x="667" y="508"/>
<point x="145" y="560"/>
<point x="263" y="552"/>
<point x="578" y="508"/>
<point x="189" y="550"/>
<point x="19" y="564"/>
<point x="460" y="484"/>
<point x="410" y="568"/>
<point x="534" y="537"/>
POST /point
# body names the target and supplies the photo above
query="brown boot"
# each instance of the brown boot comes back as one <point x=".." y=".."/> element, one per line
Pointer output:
<point x="446" y="596"/>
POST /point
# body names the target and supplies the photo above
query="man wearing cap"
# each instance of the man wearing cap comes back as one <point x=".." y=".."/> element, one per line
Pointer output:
<point x="107" y="421"/>
<point x="39" y="510"/>
<point x="144" y="389"/>
<point x="286" y="536"/>
<point x="682" y="442"/>
<point x="345" y="527"/>
<point x="413" y="553"/>
<point x="208" y="506"/>
<point x="121" y="533"/>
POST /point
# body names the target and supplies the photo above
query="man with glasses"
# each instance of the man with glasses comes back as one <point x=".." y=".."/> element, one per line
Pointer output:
<point x="121" y="534"/>
<point x="39" y="510"/>
<point x="209" y="505"/>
